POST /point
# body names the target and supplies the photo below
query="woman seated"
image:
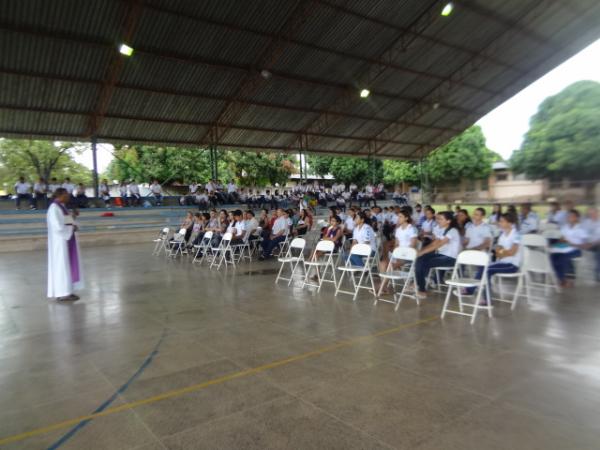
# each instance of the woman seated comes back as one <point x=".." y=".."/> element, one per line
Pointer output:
<point x="302" y="224"/>
<point x="405" y="235"/>
<point x="574" y="238"/>
<point x="442" y="251"/>
<point x="334" y="232"/>
<point x="237" y="227"/>
<point x="463" y="221"/>
<point x="363" y="234"/>
<point x="188" y="223"/>
<point x="427" y="226"/>
<point x="508" y="254"/>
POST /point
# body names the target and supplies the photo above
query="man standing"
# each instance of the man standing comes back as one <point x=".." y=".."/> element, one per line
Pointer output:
<point x="64" y="269"/>
<point x="22" y="189"/>
<point x="39" y="192"/>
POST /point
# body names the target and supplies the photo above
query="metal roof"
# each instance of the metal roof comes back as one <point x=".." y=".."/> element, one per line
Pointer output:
<point x="195" y="76"/>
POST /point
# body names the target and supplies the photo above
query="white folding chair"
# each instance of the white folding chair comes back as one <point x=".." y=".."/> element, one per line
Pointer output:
<point x="223" y="253"/>
<point x="364" y="251"/>
<point x="241" y="248"/>
<point x="456" y="283"/>
<point x="178" y="243"/>
<point x="294" y="256"/>
<point x="160" y="243"/>
<point x="405" y="276"/>
<point x="521" y="288"/>
<point x="283" y="245"/>
<point x="203" y="247"/>
<point x="536" y="263"/>
<point x="439" y="273"/>
<point x="322" y="258"/>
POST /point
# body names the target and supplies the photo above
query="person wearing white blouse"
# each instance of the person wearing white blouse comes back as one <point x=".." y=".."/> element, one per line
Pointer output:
<point x="442" y="251"/>
<point x="362" y="234"/>
<point x="574" y="238"/>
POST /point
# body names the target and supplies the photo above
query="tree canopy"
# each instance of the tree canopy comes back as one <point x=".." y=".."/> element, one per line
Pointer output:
<point x="465" y="156"/>
<point x="184" y="165"/>
<point x="564" y="136"/>
<point x="396" y="172"/>
<point x="35" y="159"/>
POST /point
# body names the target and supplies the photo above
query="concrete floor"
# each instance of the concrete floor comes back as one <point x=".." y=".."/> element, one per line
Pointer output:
<point x="524" y="380"/>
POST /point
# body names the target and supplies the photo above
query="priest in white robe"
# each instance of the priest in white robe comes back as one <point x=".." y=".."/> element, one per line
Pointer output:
<point x="64" y="264"/>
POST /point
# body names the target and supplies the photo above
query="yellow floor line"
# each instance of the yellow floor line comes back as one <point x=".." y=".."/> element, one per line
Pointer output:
<point x="205" y="384"/>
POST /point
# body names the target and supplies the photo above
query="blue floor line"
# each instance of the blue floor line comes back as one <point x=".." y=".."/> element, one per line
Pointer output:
<point x="69" y="434"/>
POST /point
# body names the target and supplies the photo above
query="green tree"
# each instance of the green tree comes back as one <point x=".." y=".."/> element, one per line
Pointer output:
<point x="396" y="172"/>
<point x="259" y="169"/>
<point x="564" y="136"/>
<point x="465" y="156"/>
<point x="41" y="159"/>
<point x="319" y="165"/>
<point x="358" y="170"/>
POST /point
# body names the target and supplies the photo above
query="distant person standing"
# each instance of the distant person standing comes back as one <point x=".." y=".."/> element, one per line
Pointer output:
<point x="64" y="265"/>
<point x="156" y="190"/>
<point x="105" y="193"/>
<point x="134" y="193"/>
<point x="39" y="192"/>
<point x="23" y="191"/>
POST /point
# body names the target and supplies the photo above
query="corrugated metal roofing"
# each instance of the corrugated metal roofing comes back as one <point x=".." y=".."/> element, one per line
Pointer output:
<point x="197" y="67"/>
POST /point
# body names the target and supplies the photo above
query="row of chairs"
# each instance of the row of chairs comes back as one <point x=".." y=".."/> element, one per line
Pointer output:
<point x="536" y="271"/>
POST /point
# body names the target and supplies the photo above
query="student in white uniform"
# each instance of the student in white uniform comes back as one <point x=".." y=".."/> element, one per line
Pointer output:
<point x="23" y="191"/>
<point x="349" y="222"/>
<point x="405" y="235"/>
<point x="479" y="235"/>
<point x="508" y="251"/>
<point x="157" y="192"/>
<point x="556" y="215"/>
<point x="529" y="221"/>
<point x="237" y="227"/>
<point x="427" y="226"/>
<point x="574" y="238"/>
<point x="278" y="233"/>
<point x="134" y="193"/>
<point x="363" y="234"/>
<point x="442" y="251"/>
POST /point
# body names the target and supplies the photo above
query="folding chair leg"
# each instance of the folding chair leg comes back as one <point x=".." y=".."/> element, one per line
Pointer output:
<point x="446" y="302"/>
<point x="517" y="293"/>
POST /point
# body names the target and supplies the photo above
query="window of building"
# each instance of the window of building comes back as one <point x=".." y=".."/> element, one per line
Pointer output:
<point x="485" y="184"/>
<point x="501" y="176"/>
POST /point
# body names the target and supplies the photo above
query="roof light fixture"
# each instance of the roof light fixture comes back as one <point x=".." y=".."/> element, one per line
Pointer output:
<point x="126" y="50"/>
<point x="364" y="93"/>
<point x="447" y="10"/>
<point x="265" y="74"/>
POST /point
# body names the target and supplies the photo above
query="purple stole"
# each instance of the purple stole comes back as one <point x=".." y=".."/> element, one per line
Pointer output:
<point x="72" y="247"/>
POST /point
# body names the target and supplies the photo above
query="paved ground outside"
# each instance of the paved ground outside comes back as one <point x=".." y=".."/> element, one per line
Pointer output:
<point x="176" y="356"/>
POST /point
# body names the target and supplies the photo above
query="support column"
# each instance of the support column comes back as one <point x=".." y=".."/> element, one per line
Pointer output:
<point x="95" y="166"/>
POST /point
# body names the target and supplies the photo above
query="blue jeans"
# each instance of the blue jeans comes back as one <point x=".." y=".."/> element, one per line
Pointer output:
<point x="269" y="244"/>
<point x="359" y="261"/>
<point x="563" y="263"/>
<point x="494" y="268"/>
<point x="425" y="262"/>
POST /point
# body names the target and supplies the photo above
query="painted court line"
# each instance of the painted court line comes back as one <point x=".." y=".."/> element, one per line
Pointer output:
<point x="205" y="384"/>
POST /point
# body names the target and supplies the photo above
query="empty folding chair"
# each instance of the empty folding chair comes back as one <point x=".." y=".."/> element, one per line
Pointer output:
<point x="321" y="259"/>
<point x="223" y="253"/>
<point x="456" y="283"/>
<point x="536" y="263"/>
<point x="241" y="250"/>
<point x="363" y="272"/>
<point x="293" y="257"/>
<point x="404" y="276"/>
<point x="178" y="243"/>
<point x="160" y="243"/>
<point x="521" y="288"/>
<point x="203" y="248"/>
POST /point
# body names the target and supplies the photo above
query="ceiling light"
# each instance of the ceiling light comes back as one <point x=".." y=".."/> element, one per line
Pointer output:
<point x="436" y="105"/>
<point x="265" y="74"/>
<point x="126" y="50"/>
<point x="365" y="93"/>
<point x="447" y="10"/>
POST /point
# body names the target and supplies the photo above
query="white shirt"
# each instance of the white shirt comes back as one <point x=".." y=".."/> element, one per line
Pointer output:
<point x="52" y="188"/>
<point x="349" y="224"/>
<point x="593" y="229"/>
<point x="428" y="225"/>
<point x="452" y="247"/>
<point x="123" y="190"/>
<point x="529" y="223"/>
<point x="369" y="189"/>
<point x="353" y="187"/>
<point x="22" y="188"/>
<point x="193" y="188"/>
<point x="559" y="217"/>
<point x="575" y="235"/>
<point x="404" y="235"/>
<point x="209" y="187"/>
<point x="237" y="229"/>
<point x="70" y="187"/>
<point x="156" y="189"/>
<point x="365" y="235"/>
<point x="506" y="241"/>
<point x="251" y="225"/>
<point x="133" y="189"/>
<point x="477" y="234"/>
<point x="280" y="226"/>
<point x="39" y="188"/>
<point x="231" y="188"/>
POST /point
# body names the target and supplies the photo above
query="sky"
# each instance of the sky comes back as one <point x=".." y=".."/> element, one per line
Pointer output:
<point x="503" y="127"/>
